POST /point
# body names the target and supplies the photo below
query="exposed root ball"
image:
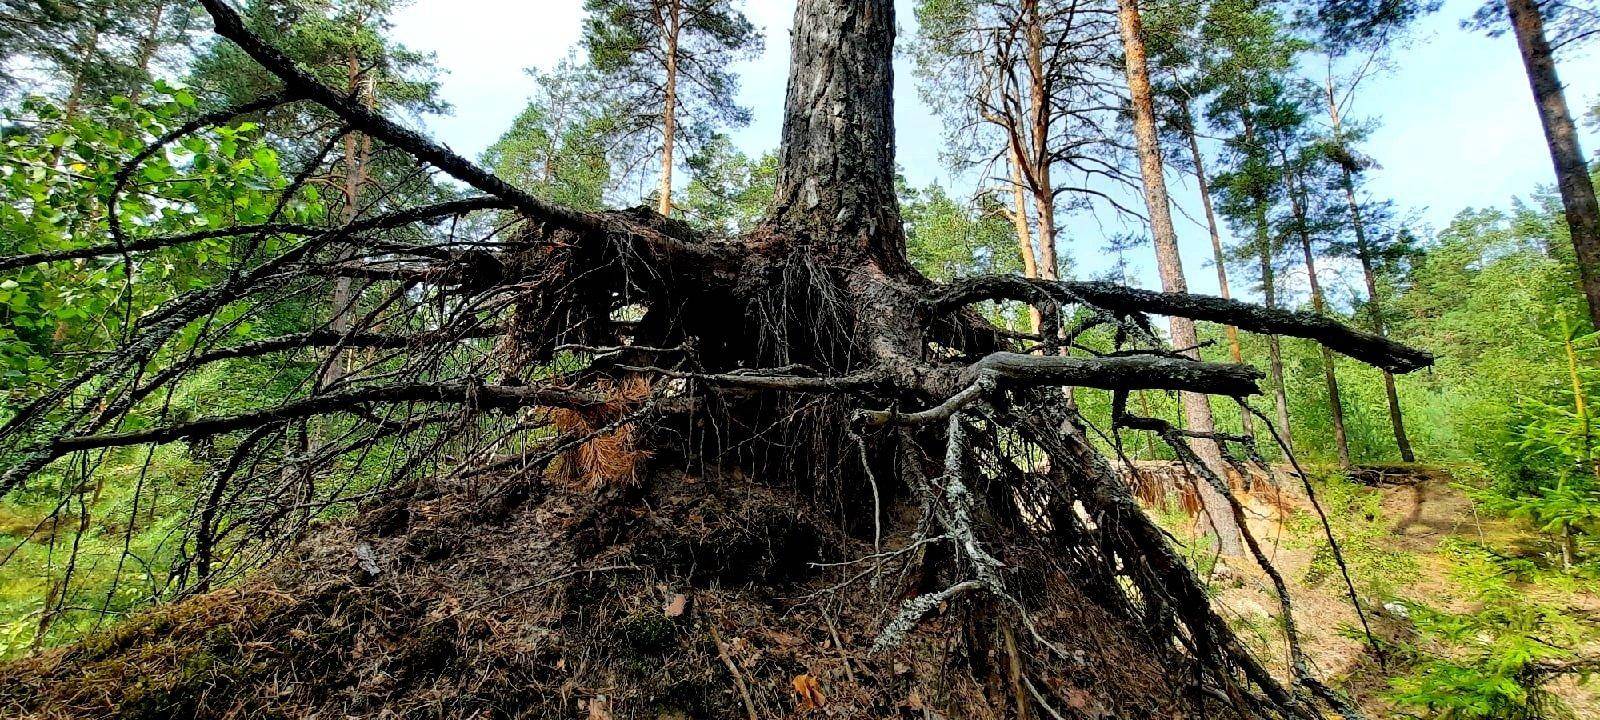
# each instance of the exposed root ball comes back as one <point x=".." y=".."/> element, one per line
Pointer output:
<point x="574" y="607"/>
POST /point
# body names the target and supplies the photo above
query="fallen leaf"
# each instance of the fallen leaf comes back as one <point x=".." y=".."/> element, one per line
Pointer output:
<point x="676" y="605"/>
<point x="599" y="708"/>
<point x="810" y="692"/>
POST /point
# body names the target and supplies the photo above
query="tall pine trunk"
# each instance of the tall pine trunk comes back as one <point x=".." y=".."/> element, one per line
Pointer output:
<point x="1019" y="222"/>
<point x="1217" y="254"/>
<point x="1269" y="297"/>
<point x="669" y="109"/>
<point x="1397" y="421"/>
<point x="1561" y="136"/>
<point x="1044" y="191"/>
<point x="1196" y="408"/>
<point x="343" y="298"/>
<point x="1341" y="440"/>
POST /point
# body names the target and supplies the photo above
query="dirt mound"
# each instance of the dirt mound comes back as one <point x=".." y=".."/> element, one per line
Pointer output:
<point x="694" y="597"/>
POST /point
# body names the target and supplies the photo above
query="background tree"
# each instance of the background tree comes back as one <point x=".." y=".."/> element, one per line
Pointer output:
<point x="1308" y="220"/>
<point x="1025" y="86"/>
<point x="557" y="147"/>
<point x="668" y="61"/>
<point x="1251" y="106"/>
<point x="1169" y="264"/>
<point x="1360" y="32"/>
<point x="86" y="51"/>
<point x="1542" y="29"/>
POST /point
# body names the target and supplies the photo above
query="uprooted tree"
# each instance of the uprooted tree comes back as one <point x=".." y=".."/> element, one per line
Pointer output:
<point x="627" y="469"/>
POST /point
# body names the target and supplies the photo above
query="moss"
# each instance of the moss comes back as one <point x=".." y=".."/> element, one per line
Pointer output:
<point x="648" y="632"/>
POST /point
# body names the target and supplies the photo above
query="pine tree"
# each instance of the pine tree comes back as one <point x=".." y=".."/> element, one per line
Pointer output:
<point x="1542" y="30"/>
<point x="556" y="148"/>
<point x="666" y="62"/>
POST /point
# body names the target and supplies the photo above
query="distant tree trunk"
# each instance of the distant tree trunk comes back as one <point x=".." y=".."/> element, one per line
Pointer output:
<point x="1019" y="220"/>
<point x="1196" y="408"/>
<point x="669" y="109"/>
<point x="1269" y="297"/>
<point x="1397" y="420"/>
<point x="1572" y="173"/>
<point x="342" y="299"/>
<point x="1044" y="191"/>
<point x="1335" y="408"/>
<point x="1218" y="256"/>
<point x="147" y="49"/>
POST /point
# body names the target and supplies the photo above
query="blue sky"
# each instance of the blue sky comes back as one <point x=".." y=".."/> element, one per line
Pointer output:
<point x="1457" y="124"/>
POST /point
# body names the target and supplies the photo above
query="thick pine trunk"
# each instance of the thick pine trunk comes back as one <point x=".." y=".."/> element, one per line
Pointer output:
<point x="835" y="190"/>
<point x="1561" y="135"/>
<point x="1196" y="408"/>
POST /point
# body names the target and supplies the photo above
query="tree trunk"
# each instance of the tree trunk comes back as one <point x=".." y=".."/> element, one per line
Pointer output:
<point x="147" y="49"/>
<point x="1269" y="297"/>
<point x="1572" y="173"/>
<point x="835" y="188"/>
<point x="669" y="109"/>
<point x="1217" y="254"/>
<point x="1044" y="191"/>
<point x="1196" y="408"/>
<point x="342" y="300"/>
<point x="1335" y="408"/>
<point x="1397" y="420"/>
<point x="1019" y="221"/>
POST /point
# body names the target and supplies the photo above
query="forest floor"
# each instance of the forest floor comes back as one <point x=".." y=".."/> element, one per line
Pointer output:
<point x="428" y="606"/>
<point x="1396" y="537"/>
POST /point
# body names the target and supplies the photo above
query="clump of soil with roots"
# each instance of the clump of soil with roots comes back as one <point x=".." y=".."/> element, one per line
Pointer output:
<point x="635" y="471"/>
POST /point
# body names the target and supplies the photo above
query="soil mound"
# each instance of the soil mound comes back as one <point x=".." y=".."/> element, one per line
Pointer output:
<point x="691" y="597"/>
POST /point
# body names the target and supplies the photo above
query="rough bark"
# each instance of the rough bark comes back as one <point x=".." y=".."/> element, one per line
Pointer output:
<point x="835" y="188"/>
<point x="1561" y="136"/>
<point x="1196" y="408"/>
